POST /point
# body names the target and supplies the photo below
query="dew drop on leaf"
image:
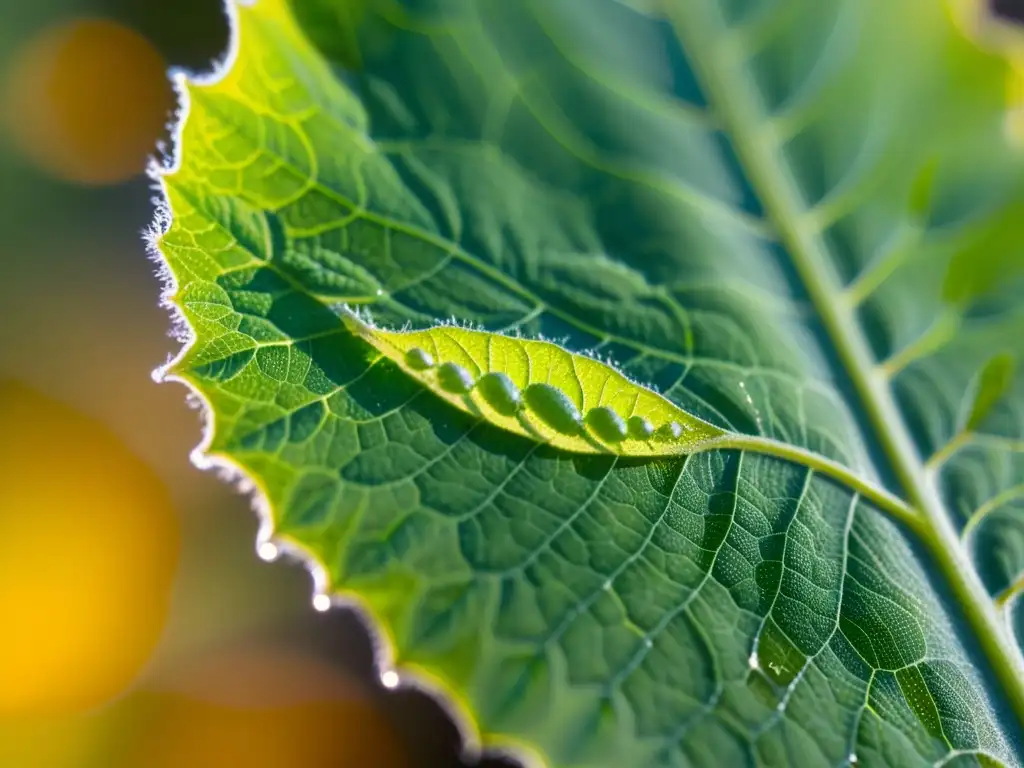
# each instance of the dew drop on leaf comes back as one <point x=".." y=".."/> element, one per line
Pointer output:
<point x="418" y="359"/>
<point x="267" y="551"/>
<point x="640" y="427"/>
<point x="552" y="406"/>
<point x="322" y="603"/>
<point x="454" y="378"/>
<point x="606" y="424"/>
<point x="671" y="431"/>
<point x="500" y="393"/>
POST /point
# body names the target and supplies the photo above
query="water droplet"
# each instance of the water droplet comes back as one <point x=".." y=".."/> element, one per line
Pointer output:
<point x="640" y="428"/>
<point x="454" y="378"/>
<point x="648" y="642"/>
<point x="554" y="408"/>
<point x="606" y="424"/>
<point x="753" y="661"/>
<point x="607" y="585"/>
<point x="322" y="603"/>
<point x="753" y="407"/>
<point x="853" y="760"/>
<point x="418" y="359"/>
<point x="268" y="551"/>
<point x="380" y="291"/>
<point x="500" y="393"/>
<point x="671" y="431"/>
<point x="389" y="679"/>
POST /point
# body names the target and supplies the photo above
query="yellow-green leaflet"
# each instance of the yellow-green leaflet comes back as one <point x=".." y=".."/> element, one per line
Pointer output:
<point x="539" y="390"/>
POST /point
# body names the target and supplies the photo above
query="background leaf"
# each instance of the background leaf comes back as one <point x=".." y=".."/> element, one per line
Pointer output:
<point x="794" y="219"/>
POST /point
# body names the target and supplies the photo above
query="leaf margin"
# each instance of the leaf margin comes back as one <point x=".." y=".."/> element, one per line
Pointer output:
<point x="271" y="545"/>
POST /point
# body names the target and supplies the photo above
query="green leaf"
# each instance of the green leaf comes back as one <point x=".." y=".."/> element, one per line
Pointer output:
<point x="792" y="226"/>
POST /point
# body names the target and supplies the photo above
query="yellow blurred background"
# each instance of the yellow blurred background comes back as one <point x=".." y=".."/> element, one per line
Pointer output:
<point x="137" y="625"/>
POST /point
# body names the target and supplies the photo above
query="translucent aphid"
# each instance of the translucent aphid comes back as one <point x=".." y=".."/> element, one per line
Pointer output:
<point x="640" y="427"/>
<point x="500" y="393"/>
<point x="419" y="359"/>
<point x="454" y="378"/>
<point x="552" y="406"/>
<point x="673" y="430"/>
<point x="606" y="424"/>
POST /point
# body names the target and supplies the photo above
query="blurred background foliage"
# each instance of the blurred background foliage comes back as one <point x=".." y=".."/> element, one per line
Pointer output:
<point x="138" y="626"/>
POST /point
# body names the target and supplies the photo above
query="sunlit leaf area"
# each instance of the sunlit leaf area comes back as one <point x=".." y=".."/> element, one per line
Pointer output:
<point x="584" y="383"/>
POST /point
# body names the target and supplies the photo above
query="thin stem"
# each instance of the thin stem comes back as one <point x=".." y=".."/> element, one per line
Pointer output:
<point x="877" y="272"/>
<point x="938" y="335"/>
<point x="1004" y="598"/>
<point x="880" y="497"/>
<point x="736" y="99"/>
<point x="946" y="452"/>
<point x="1010" y="494"/>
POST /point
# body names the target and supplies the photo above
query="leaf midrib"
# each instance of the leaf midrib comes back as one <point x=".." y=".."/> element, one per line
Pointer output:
<point x="734" y="95"/>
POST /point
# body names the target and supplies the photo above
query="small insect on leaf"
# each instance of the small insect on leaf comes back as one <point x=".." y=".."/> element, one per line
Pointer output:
<point x="500" y="393"/>
<point x="607" y="424"/>
<point x="541" y="391"/>
<point x="454" y="378"/>
<point x="418" y="360"/>
<point x="552" y="406"/>
<point x="640" y="427"/>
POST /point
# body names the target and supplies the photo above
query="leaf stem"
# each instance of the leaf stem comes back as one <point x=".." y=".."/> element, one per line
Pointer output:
<point x="740" y="107"/>
<point x="1004" y="598"/>
<point x="1010" y="494"/>
<point x="874" y="493"/>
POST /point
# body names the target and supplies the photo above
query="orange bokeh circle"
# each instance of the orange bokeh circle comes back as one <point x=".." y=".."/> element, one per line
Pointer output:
<point x="89" y="544"/>
<point x="87" y="101"/>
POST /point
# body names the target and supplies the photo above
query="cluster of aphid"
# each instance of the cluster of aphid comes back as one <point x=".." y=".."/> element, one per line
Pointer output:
<point x="550" y="404"/>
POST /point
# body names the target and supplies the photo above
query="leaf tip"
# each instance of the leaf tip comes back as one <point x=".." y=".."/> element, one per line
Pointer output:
<point x="992" y="383"/>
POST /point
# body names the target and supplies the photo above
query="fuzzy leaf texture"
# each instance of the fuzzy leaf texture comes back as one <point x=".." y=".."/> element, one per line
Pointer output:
<point x="795" y="223"/>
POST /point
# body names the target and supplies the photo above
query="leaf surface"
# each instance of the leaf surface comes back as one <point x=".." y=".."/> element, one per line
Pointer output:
<point x="795" y="221"/>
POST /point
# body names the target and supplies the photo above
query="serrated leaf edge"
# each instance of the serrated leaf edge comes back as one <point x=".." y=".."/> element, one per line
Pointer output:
<point x="474" y="741"/>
